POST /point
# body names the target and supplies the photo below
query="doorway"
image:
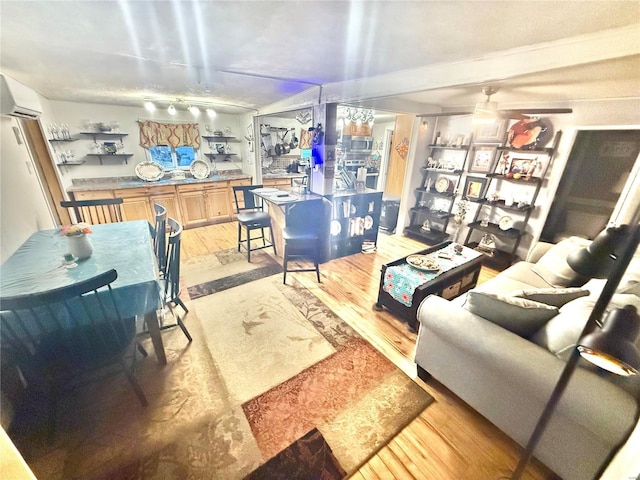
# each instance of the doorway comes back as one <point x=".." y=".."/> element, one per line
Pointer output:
<point x="597" y="170"/>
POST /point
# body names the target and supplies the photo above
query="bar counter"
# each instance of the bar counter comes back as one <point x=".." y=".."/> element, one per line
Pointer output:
<point x="283" y="213"/>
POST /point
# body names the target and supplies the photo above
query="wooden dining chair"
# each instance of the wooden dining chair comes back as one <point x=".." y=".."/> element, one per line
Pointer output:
<point x="251" y="217"/>
<point x="104" y="210"/>
<point x="57" y="337"/>
<point x="160" y="235"/>
<point x="171" y="278"/>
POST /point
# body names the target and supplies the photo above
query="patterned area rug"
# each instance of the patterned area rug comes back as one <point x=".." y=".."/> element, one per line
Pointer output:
<point x="273" y="382"/>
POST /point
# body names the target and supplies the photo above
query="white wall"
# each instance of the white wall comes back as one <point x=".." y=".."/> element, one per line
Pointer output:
<point x="76" y="114"/>
<point x="23" y="207"/>
<point x="604" y="114"/>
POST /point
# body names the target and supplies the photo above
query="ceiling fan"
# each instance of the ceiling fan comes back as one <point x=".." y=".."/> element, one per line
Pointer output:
<point x="487" y="111"/>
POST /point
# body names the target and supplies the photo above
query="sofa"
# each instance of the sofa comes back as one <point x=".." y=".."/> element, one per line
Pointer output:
<point x="501" y="348"/>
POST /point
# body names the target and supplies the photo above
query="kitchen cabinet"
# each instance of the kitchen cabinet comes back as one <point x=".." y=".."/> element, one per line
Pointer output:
<point x="135" y="204"/>
<point x="204" y="203"/>
<point x="277" y="182"/>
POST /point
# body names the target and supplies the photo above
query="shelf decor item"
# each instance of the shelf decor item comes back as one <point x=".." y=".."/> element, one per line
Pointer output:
<point x="474" y="188"/>
<point x="483" y="158"/>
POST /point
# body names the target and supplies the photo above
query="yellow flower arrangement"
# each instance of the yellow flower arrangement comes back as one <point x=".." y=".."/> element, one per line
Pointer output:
<point x="75" y="229"/>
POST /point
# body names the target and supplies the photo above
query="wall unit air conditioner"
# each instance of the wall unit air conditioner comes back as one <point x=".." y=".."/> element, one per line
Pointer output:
<point x="18" y="100"/>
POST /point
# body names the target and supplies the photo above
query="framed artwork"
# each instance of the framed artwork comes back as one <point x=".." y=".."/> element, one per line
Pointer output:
<point x="491" y="132"/>
<point x="482" y="158"/>
<point x="474" y="187"/>
<point x="522" y="166"/>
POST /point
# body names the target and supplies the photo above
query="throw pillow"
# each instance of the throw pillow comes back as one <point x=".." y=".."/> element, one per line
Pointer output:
<point x="555" y="297"/>
<point x="520" y="316"/>
<point x="553" y="267"/>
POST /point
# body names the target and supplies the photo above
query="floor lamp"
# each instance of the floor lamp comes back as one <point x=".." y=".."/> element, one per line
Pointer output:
<point x="608" y="256"/>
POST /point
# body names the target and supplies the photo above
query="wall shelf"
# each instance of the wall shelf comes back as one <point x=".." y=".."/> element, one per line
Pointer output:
<point x="72" y="139"/>
<point x="101" y="156"/>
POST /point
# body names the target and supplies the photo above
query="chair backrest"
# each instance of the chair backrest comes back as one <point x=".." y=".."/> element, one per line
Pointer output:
<point x="65" y="330"/>
<point x="250" y="201"/>
<point x="172" y="268"/>
<point x="160" y="235"/>
<point x="103" y="210"/>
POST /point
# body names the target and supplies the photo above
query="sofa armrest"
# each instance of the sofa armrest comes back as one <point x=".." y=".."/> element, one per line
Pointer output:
<point x="588" y="398"/>
<point x="538" y="251"/>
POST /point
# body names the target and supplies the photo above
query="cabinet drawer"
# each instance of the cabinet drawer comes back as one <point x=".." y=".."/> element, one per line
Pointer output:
<point x="203" y="186"/>
<point x="144" y="191"/>
<point x="236" y="183"/>
<point x="93" y="195"/>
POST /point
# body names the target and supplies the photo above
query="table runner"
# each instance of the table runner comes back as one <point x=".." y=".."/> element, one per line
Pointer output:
<point x="401" y="281"/>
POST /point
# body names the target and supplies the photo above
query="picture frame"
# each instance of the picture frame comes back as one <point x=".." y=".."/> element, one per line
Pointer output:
<point x="474" y="187"/>
<point x="483" y="158"/>
<point x="494" y="132"/>
<point x="522" y="166"/>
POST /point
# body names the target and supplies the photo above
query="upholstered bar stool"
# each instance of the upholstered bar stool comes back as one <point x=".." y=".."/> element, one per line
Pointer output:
<point x="303" y="235"/>
<point x="251" y="217"/>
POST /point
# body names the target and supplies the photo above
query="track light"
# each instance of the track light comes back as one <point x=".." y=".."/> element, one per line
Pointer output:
<point x="211" y="112"/>
<point x="149" y="106"/>
<point x="171" y="110"/>
<point x="195" y="111"/>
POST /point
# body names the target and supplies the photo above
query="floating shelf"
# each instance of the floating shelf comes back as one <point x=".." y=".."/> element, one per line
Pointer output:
<point x="104" y="134"/>
<point x="214" y="138"/>
<point x="121" y="156"/>
<point x="212" y="156"/>
<point x="73" y="162"/>
<point x="72" y="139"/>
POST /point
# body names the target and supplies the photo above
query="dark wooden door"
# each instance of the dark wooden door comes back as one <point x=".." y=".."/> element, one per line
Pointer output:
<point x="598" y="167"/>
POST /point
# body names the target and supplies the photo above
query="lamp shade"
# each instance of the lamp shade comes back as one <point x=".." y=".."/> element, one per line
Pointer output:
<point x="597" y="260"/>
<point x="613" y="348"/>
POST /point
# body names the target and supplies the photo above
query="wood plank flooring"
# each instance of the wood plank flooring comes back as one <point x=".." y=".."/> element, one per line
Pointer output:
<point x="449" y="440"/>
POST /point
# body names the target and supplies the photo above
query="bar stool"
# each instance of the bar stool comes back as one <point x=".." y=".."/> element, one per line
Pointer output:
<point x="251" y="217"/>
<point x="303" y="235"/>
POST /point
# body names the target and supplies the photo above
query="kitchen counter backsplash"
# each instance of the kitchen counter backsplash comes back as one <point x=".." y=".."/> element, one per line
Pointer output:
<point x="110" y="183"/>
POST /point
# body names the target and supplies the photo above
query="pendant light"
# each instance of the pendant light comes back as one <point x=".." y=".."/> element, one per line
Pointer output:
<point x="211" y="112"/>
<point x="149" y="105"/>
<point x="195" y="111"/>
<point x="171" y="110"/>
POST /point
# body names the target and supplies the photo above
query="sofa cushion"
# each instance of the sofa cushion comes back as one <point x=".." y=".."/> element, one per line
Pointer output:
<point x="553" y="266"/>
<point x="517" y="277"/>
<point x="520" y="316"/>
<point x="560" y="334"/>
<point x="556" y="297"/>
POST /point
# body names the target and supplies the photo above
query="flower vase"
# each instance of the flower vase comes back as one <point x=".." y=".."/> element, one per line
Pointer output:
<point x="80" y="246"/>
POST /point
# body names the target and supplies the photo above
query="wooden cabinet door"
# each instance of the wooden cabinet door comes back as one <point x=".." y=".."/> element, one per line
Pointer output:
<point x="218" y="203"/>
<point x="136" y="208"/>
<point x="193" y="205"/>
<point x="170" y="202"/>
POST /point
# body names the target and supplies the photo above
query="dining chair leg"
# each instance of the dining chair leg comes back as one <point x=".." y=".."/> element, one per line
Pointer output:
<point x="273" y="243"/>
<point x="184" y="329"/>
<point x="239" y="235"/>
<point x="248" y="245"/>
<point x="284" y="278"/>
<point x="178" y="301"/>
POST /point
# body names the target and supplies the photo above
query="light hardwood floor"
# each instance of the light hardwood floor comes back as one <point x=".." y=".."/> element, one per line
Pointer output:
<point x="449" y="440"/>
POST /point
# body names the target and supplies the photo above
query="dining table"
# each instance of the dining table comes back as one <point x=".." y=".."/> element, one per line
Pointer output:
<point x="43" y="263"/>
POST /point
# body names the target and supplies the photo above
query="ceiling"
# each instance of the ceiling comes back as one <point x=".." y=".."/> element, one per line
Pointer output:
<point x="240" y="56"/>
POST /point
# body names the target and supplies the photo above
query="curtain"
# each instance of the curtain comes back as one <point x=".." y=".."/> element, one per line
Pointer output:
<point x="173" y="134"/>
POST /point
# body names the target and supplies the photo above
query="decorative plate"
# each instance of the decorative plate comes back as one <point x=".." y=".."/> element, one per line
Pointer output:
<point x="505" y="223"/>
<point x="423" y="262"/>
<point x="442" y="184"/>
<point x="199" y="169"/>
<point x="149" y="171"/>
<point x="527" y="134"/>
<point x="336" y="228"/>
<point x="368" y="222"/>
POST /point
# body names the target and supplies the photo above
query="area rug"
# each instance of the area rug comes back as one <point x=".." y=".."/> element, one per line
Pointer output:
<point x="273" y="381"/>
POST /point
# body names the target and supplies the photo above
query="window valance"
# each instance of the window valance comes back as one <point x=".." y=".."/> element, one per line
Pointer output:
<point x="173" y="134"/>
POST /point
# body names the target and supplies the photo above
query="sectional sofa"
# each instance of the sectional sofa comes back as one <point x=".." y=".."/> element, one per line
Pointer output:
<point x="502" y="346"/>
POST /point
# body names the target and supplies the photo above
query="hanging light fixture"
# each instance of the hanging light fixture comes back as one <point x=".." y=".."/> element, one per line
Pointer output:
<point x="195" y="111"/>
<point x="149" y="105"/>
<point x="211" y="112"/>
<point x="171" y="110"/>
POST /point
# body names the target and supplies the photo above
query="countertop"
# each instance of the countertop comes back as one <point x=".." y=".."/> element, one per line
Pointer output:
<point x="112" y="183"/>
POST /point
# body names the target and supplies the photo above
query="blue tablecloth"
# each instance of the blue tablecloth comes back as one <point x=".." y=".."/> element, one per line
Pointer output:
<point x="38" y="265"/>
<point x="402" y="280"/>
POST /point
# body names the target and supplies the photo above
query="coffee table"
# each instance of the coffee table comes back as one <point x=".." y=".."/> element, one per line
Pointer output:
<point x="458" y="275"/>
